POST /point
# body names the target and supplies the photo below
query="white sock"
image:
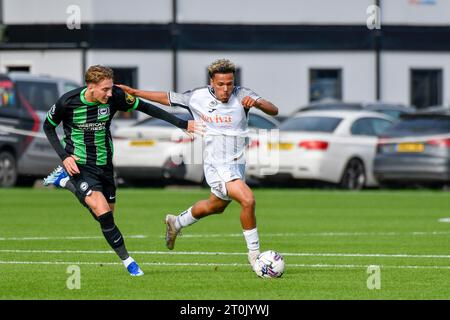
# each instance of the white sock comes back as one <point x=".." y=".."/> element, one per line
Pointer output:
<point x="185" y="219"/>
<point x="252" y="239"/>
<point x="127" y="261"/>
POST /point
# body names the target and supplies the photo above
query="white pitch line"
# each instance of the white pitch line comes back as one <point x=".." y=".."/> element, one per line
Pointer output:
<point x="196" y="264"/>
<point x="239" y="235"/>
<point x="139" y="236"/>
<point x="322" y="234"/>
<point x="286" y="254"/>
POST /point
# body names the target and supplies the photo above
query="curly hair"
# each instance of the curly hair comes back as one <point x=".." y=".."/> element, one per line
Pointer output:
<point x="221" y="66"/>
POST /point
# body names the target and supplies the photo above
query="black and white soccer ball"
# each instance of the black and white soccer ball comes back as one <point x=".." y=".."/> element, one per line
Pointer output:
<point x="269" y="264"/>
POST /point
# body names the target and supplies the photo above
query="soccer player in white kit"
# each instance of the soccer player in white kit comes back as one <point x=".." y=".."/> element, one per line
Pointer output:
<point x="223" y="108"/>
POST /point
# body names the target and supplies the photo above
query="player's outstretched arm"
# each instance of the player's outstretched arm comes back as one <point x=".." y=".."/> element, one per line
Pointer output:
<point x="263" y="105"/>
<point x="155" y="96"/>
<point x="191" y="126"/>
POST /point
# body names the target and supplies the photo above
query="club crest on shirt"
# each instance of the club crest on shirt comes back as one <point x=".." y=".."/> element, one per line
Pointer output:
<point x="129" y="98"/>
<point x="103" y="111"/>
<point x="212" y="104"/>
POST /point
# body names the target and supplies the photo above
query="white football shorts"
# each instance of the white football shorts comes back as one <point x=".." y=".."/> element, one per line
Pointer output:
<point x="218" y="176"/>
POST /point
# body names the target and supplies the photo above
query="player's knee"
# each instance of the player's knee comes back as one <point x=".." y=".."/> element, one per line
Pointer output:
<point x="248" y="202"/>
<point x="96" y="205"/>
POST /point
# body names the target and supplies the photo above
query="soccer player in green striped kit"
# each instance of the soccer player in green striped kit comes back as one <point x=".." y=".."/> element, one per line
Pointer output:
<point x="86" y="114"/>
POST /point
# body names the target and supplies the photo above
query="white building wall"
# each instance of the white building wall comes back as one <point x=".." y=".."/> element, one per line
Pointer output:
<point x="395" y="73"/>
<point x="58" y="63"/>
<point x="283" y="78"/>
<point x="415" y="12"/>
<point x="92" y="11"/>
<point x="154" y="67"/>
<point x="276" y="12"/>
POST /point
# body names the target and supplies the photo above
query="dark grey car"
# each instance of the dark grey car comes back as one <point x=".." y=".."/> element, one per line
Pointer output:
<point x="415" y="150"/>
<point x="329" y="104"/>
<point x="25" y="152"/>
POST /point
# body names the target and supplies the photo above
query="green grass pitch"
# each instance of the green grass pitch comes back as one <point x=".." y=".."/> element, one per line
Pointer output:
<point x="328" y="240"/>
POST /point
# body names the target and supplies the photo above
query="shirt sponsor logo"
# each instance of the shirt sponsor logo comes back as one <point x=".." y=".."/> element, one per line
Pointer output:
<point x="96" y="126"/>
<point x="217" y="118"/>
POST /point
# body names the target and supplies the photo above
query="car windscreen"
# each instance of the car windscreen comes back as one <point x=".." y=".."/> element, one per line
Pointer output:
<point x="392" y="113"/>
<point x="40" y="95"/>
<point x="420" y="125"/>
<point x="311" y="124"/>
<point x="155" y="122"/>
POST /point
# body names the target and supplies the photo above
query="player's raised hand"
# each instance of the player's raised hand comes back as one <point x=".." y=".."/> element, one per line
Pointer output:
<point x="127" y="89"/>
<point x="70" y="165"/>
<point x="248" y="102"/>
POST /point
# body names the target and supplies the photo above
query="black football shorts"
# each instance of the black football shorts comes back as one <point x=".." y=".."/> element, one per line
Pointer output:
<point x="95" y="178"/>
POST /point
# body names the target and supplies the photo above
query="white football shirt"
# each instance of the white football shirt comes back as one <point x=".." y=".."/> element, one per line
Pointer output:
<point x="226" y="123"/>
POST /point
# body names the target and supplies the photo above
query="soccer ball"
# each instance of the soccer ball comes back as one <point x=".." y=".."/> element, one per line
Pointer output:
<point x="269" y="264"/>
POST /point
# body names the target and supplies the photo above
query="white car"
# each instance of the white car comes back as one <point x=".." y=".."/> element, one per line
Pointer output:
<point x="153" y="149"/>
<point x="331" y="146"/>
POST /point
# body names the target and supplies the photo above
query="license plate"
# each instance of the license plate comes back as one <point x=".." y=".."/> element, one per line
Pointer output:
<point x="410" y="147"/>
<point x="280" y="146"/>
<point x="142" y="143"/>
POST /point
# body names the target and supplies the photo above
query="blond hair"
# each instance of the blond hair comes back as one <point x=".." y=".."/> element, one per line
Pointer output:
<point x="221" y="66"/>
<point x="98" y="73"/>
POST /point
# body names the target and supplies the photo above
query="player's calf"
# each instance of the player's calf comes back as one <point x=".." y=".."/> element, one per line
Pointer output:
<point x="115" y="239"/>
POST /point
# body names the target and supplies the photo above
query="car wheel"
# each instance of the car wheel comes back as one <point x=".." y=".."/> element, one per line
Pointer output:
<point x="354" y="176"/>
<point x="8" y="170"/>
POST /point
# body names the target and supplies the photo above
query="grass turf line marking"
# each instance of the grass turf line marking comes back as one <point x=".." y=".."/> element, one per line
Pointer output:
<point x="138" y="236"/>
<point x="287" y="254"/>
<point x="233" y="235"/>
<point x="196" y="264"/>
